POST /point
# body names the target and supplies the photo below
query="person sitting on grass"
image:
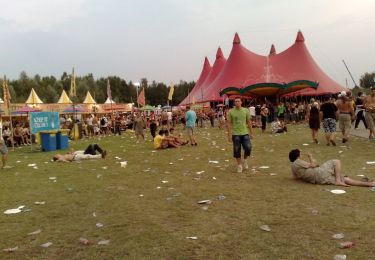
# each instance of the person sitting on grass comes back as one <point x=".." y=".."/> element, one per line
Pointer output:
<point x="278" y="127"/>
<point x="89" y="153"/>
<point x="177" y="139"/>
<point x="327" y="173"/>
<point x="162" y="142"/>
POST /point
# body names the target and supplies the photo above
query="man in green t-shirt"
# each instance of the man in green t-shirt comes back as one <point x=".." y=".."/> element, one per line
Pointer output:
<point x="239" y="126"/>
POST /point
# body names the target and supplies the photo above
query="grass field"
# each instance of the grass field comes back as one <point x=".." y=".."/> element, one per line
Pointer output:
<point x="149" y="208"/>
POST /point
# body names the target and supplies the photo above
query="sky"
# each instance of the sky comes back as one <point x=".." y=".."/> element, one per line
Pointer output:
<point x="167" y="40"/>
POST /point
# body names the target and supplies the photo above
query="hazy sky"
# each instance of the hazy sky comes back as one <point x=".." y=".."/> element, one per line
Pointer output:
<point x="166" y="40"/>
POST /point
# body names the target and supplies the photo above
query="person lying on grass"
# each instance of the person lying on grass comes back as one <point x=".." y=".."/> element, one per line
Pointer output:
<point x="327" y="173"/>
<point x="89" y="153"/>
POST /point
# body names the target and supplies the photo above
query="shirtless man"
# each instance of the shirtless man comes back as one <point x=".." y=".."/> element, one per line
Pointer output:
<point x="369" y="104"/>
<point x="346" y="113"/>
<point x="89" y="153"/>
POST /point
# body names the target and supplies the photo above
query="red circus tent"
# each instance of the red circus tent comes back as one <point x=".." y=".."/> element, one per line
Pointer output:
<point x="242" y="68"/>
<point x="203" y="76"/>
<point x="296" y="63"/>
<point x="215" y="71"/>
<point x="245" y="68"/>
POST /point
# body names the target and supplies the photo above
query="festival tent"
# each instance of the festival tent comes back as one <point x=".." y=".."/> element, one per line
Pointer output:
<point x="64" y="98"/>
<point x="33" y="98"/>
<point x="203" y="76"/>
<point x="242" y="68"/>
<point x="216" y="69"/>
<point x="108" y="101"/>
<point x="293" y="70"/>
<point x="89" y="99"/>
<point x="296" y="63"/>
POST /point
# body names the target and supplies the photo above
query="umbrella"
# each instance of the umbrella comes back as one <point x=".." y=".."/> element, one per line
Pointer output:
<point x="147" y="108"/>
<point x="74" y="109"/>
<point x="25" y="110"/>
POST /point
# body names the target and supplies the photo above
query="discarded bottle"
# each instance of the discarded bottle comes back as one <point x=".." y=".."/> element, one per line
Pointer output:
<point x="84" y="241"/>
<point x="346" y="244"/>
<point x="338" y="236"/>
<point x="11" y="249"/>
<point x="339" y="257"/>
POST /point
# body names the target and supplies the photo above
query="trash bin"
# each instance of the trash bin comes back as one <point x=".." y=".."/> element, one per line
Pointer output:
<point x="48" y="141"/>
<point x="62" y="140"/>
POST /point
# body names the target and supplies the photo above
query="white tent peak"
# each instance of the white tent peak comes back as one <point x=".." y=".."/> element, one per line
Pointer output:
<point x="33" y="98"/>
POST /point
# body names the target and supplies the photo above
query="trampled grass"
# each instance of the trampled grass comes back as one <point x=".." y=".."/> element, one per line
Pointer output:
<point x="143" y="221"/>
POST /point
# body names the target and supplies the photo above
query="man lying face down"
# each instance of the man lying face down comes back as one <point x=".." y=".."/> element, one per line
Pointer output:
<point x="89" y="153"/>
<point x="327" y="173"/>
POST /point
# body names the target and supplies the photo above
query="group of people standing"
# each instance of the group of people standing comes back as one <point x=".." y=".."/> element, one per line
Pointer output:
<point x="344" y="110"/>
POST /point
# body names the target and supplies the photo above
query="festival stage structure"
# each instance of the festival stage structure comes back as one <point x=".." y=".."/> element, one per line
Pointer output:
<point x="292" y="72"/>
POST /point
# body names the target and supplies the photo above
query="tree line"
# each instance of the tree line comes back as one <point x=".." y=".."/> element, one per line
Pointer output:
<point x="49" y="89"/>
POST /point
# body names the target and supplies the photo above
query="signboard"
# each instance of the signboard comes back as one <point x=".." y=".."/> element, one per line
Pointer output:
<point x="44" y="121"/>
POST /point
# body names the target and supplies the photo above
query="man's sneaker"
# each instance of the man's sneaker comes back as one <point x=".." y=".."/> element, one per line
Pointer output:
<point x="239" y="168"/>
<point x="245" y="165"/>
<point x="104" y="154"/>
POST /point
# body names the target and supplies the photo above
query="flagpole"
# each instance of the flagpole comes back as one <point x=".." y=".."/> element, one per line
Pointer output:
<point x="7" y="97"/>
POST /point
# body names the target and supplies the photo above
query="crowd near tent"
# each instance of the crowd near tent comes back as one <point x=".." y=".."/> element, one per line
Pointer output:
<point x="292" y="72"/>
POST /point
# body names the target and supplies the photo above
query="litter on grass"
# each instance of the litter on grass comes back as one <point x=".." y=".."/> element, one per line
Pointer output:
<point x="204" y="202"/>
<point x="14" y="211"/>
<point x="339" y="257"/>
<point x="213" y="162"/>
<point x="39" y="202"/>
<point x="36" y="232"/>
<point x="84" y="241"/>
<point x="99" y="225"/>
<point x="123" y="164"/>
<point x="192" y="238"/>
<point x="31" y="164"/>
<point x="338" y="236"/>
<point x="372" y="162"/>
<point x="200" y="172"/>
<point x="164" y="182"/>
<point x="346" y="244"/>
<point x="52" y="178"/>
<point x="103" y="242"/>
<point x="10" y="249"/>
<point x="265" y="228"/>
<point x="264" y="167"/>
<point x="338" y="191"/>
<point x="46" y="245"/>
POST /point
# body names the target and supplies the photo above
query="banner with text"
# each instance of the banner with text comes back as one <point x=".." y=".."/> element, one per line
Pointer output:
<point x="44" y="121"/>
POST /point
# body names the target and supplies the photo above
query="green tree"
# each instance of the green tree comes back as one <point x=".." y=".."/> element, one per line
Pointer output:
<point x="367" y="80"/>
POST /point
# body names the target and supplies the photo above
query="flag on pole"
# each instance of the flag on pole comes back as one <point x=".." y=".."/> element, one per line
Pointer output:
<point x="171" y="91"/>
<point x="109" y="92"/>
<point x="6" y="93"/>
<point x="73" y="87"/>
<point x="141" y="98"/>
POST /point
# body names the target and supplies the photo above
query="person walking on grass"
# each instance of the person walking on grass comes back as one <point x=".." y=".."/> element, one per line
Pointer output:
<point x="328" y="113"/>
<point x="369" y="103"/>
<point x="346" y="113"/>
<point x="314" y="121"/>
<point x="190" y="118"/>
<point x="239" y="127"/>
